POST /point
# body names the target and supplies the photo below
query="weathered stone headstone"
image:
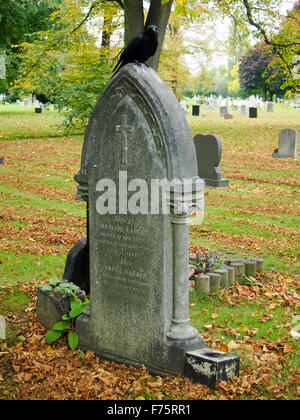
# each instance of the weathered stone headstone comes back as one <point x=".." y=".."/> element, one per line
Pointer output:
<point x="243" y="109"/>
<point x="209" y="153"/>
<point x="213" y="104"/>
<point x="252" y="112"/>
<point x="223" y="110"/>
<point x="196" y="110"/>
<point x="270" y="107"/>
<point x="139" y="310"/>
<point x="287" y="145"/>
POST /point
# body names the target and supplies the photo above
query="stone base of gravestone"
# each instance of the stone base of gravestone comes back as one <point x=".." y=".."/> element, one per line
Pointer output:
<point x="211" y="366"/>
<point x="77" y="266"/>
<point x="51" y="307"/>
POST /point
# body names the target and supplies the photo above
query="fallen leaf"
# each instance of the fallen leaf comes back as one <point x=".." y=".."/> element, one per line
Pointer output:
<point x="288" y="349"/>
<point x="232" y="345"/>
<point x="214" y="316"/>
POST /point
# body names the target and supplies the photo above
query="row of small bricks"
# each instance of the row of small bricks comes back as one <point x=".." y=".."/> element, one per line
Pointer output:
<point x="233" y="270"/>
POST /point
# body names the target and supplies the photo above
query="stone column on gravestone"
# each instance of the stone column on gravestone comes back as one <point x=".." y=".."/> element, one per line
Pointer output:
<point x="182" y="202"/>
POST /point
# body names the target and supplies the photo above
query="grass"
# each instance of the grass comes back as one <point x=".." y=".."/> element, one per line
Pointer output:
<point x="19" y="122"/>
<point x="258" y="215"/>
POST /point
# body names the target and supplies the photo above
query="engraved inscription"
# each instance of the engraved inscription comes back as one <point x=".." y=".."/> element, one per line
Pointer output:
<point x="125" y="267"/>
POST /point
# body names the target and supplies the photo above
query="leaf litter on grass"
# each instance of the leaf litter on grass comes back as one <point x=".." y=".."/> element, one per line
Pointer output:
<point x="35" y="370"/>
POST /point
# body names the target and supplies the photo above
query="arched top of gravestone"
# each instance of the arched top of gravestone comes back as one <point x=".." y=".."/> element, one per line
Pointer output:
<point x="209" y="149"/>
<point x="137" y="100"/>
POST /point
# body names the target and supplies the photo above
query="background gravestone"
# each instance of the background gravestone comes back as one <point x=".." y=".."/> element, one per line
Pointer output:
<point x="270" y="107"/>
<point x="252" y="112"/>
<point x="223" y="110"/>
<point x="209" y="153"/>
<point x="243" y="109"/>
<point x="139" y="311"/>
<point x="287" y="144"/>
<point x="196" y="110"/>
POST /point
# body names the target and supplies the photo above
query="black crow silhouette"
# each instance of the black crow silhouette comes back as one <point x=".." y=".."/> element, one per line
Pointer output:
<point x="140" y="48"/>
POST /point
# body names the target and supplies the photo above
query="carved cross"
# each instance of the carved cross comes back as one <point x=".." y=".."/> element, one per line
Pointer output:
<point x="124" y="129"/>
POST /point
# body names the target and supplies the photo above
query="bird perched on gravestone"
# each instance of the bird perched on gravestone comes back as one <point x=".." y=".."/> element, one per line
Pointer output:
<point x="140" y="48"/>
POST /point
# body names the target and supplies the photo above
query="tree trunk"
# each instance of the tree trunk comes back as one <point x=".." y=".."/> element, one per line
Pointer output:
<point x="158" y="15"/>
<point x="106" y="35"/>
<point x="134" y="19"/>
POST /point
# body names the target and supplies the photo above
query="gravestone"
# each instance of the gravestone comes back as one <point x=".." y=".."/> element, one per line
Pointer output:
<point x="270" y="107"/>
<point x="243" y="109"/>
<point x="196" y="110"/>
<point x="223" y="110"/>
<point x="252" y="112"/>
<point x="139" y="307"/>
<point x="209" y="153"/>
<point x="213" y="104"/>
<point x="139" y="311"/>
<point x="2" y="161"/>
<point x="287" y="145"/>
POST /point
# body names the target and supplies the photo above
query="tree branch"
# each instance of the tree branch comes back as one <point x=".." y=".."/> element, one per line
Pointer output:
<point x="120" y="3"/>
<point x="262" y="31"/>
<point x="61" y="39"/>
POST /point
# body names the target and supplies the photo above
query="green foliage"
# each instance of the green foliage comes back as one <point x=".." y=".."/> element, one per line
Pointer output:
<point x="19" y="20"/>
<point x="67" y="323"/>
<point x="77" y="67"/>
<point x="59" y="287"/>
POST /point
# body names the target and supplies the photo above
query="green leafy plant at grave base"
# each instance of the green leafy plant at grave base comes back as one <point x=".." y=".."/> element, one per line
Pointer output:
<point x="251" y="281"/>
<point x="67" y="323"/>
<point x="59" y="287"/>
<point x="206" y="264"/>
